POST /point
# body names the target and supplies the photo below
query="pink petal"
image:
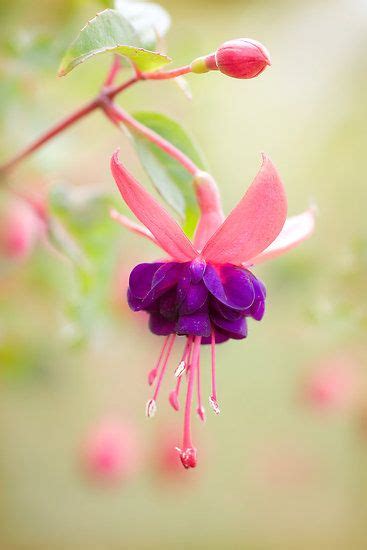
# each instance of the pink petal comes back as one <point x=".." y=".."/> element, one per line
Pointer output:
<point x="132" y="226"/>
<point x="296" y="229"/>
<point x="163" y="227"/>
<point x="254" y="223"/>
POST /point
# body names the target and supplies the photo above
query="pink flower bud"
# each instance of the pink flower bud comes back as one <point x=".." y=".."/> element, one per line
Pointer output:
<point x="242" y="58"/>
<point x="109" y="453"/>
<point x="239" y="58"/>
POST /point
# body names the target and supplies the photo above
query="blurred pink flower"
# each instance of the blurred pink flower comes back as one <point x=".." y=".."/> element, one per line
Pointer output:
<point x="332" y="384"/>
<point x="110" y="452"/>
<point x="20" y="228"/>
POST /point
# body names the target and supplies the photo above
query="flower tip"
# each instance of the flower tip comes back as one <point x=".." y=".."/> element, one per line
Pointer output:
<point x="188" y="457"/>
<point x="201" y="413"/>
<point x="173" y="399"/>
<point x="115" y="157"/>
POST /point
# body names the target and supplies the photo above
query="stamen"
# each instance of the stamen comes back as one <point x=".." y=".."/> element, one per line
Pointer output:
<point x="153" y="373"/>
<point x="173" y="396"/>
<point x="151" y="408"/>
<point x="180" y="369"/>
<point x="213" y="398"/>
<point x="182" y="364"/>
<point x="188" y="452"/>
<point x="200" y="409"/>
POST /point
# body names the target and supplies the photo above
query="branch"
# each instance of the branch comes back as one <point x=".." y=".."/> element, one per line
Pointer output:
<point x="116" y="114"/>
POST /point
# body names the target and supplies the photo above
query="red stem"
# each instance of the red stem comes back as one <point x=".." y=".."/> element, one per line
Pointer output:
<point x="164" y="75"/>
<point x="107" y="92"/>
<point x="116" y="113"/>
<point x="52" y="132"/>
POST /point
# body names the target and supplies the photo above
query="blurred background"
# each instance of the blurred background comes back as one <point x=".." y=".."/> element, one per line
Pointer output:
<point x="284" y="465"/>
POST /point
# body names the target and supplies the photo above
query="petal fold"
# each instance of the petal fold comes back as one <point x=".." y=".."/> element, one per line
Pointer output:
<point x="160" y="223"/>
<point x="254" y="223"/>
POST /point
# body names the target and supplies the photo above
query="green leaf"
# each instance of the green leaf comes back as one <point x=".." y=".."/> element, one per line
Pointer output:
<point x="149" y="20"/>
<point x="110" y="32"/>
<point x="172" y="181"/>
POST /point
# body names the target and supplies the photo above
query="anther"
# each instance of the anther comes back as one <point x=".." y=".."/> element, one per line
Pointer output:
<point x="151" y="408"/>
<point x="214" y="404"/>
<point x="180" y="369"/>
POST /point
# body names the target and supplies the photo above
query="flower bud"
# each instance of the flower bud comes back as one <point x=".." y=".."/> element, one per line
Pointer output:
<point x="239" y="58"/>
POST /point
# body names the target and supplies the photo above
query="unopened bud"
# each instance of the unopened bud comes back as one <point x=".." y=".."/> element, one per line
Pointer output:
<point x="239" y="58"/>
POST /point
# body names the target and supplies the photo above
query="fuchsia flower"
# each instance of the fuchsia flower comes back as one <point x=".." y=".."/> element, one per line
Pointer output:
<point x="204" y="291"/>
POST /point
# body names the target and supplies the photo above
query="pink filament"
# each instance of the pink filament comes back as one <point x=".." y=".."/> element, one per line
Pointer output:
<point x="153" y="373"/>
<point x="173" y="397"/>
<point x="190" y="389"/>
<point x="200" y="409"/>
<point x="164" y="365"/>
<point x="214" y="383"/>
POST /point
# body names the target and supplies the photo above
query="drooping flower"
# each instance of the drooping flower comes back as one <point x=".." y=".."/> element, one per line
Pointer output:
<point x="204" y="291"/>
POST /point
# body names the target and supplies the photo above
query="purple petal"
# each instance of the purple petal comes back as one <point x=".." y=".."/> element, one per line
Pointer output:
<point x="225" y="311"/>
<point x="237" y="283"/>
<point x="164" y="279"/>
<point x="235" y="329"/>
<point x="214" y="284"/>
<point x="236" y="291"/>
<point x="260" y="290"/>
<point x="197" y="324"/>
<point x="161" y="326"/>
<point x="197" y="268"/>
<point x="141" y="277"/>
<point x="167" y="305"/>
<point x="220" y="337"/>
<point x="134" y="303"/>
<point x="258" y="310"/>
<point x="195" y="298"/>
<point x="184" y="282"/>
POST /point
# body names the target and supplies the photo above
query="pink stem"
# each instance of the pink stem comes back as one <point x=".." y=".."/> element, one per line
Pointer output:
<point x="164" y="366"/>
<point x="164" y="75"/>
<point x="190" y="390"/>
<point x="116" y="113"/>
<point x="173" y="396"/>
<point x="153" y="373"/>
<point x="214" y="382"/>
<point x="200" y="409"/>
<point x="108" y="92"/>
<point x="52" y="132"/>
<point x="113" y="72"/>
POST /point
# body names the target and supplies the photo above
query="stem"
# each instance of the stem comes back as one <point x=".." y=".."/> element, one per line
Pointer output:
<point x="164" y="75"/>
<point x="52" y="132"/>
<point x="113" y="72"/>
<point x="116" y="113"/>
<point x="108" y="93"/>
